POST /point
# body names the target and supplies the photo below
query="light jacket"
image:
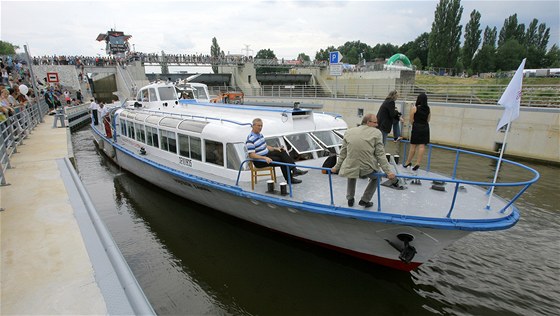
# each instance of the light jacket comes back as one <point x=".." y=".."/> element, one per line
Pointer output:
<point x="362" y="153"/>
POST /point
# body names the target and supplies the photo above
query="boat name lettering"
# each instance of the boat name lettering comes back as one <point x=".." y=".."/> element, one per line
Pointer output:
<point x="185" y="161"/>
<point x="192" y="185"/>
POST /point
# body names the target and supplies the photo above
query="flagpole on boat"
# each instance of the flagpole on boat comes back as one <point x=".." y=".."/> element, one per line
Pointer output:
<point x="499" y="163"/>
<point x="511" y="101"/>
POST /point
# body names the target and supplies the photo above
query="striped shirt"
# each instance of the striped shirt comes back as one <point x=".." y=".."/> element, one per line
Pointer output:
<point x="256" y="144"/>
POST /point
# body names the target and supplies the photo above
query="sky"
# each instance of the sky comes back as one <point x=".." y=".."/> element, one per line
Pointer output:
<point x="241" y="27"/>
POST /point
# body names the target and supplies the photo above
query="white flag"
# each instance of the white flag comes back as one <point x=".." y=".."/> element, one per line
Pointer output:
<point x="511" y="98"/>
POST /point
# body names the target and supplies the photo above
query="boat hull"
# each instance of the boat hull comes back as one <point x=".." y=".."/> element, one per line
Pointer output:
<point x="368" y="240"/>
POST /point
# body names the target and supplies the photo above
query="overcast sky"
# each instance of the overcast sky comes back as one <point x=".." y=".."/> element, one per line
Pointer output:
<point x="286" y="27"/>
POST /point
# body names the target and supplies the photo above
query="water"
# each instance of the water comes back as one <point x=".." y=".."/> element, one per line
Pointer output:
<point x="192" y="260"/>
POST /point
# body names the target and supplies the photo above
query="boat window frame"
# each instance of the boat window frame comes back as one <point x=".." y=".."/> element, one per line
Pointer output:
<point x="219" y="147"/>
<point x="299" y="150"/>
<point x="323" y="143"/>
<point x="152" y="141"/>
<point x="164" y="140"/>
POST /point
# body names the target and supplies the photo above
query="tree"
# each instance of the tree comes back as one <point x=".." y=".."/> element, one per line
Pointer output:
<point x="355" y="51"/>
<point x="552" y="58"/>
<point x="472" y="38"/>
<point x="303" y="57"/>
<point x="490" y="36"/>
<point x="384" y="51"/>
<point x="511" y="30"/>
<point x="417" y="49"/>
<point x="215" y="53"/>
<point x="7" y="48"/>
<point x="265" y="54"/>
<point x="509" y="55"/>
<point x="484" y="60"/>
<point x="445" y="36"/>
<point x="536" y="39"/>
<point x="323" y="54"/>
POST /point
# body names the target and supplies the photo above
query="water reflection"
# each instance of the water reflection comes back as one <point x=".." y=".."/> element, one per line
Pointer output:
<point x="247" y="269"/>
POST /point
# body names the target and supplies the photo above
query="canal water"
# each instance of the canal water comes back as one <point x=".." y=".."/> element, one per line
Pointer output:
<point x="192" y="260"/>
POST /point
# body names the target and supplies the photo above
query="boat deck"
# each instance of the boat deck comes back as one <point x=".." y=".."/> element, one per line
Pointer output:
<point x="413" y="200"/>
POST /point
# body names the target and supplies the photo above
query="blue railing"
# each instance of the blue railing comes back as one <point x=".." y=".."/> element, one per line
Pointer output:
<point x="523" y="184"/>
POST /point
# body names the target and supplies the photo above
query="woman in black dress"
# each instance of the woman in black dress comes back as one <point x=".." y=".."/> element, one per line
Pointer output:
<point x="420" y="118"/>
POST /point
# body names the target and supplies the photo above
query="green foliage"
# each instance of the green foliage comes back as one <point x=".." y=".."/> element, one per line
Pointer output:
<point x="265" y="54"/>
<point x="490" y="36"/>
<point x="445" y="36"/>
<point x="485" y="60"/>
<point x="7" y="48"/>
<point x="418" y="49"/>
<point x="417" y="63"/>
<point x="552" y="58"/>
<point x="472" y="38"/>
<point x="323" y="54"/>
<point x="215" y="52"/>
<point x="384" y="51"/>
<point x="511" y="30"/>
<point x="303" y="57"/>
<point x="509" y="55"/>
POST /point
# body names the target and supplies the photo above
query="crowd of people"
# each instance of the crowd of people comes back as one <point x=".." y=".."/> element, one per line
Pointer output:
<point x="15" y="96"/>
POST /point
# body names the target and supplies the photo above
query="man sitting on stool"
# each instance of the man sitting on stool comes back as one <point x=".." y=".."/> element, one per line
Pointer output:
<point x="258" y="149"/>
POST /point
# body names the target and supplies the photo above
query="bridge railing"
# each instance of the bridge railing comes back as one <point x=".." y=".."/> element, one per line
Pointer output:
<point x="533" y="95"/>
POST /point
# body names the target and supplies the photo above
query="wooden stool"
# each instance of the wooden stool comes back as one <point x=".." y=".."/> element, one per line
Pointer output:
<point x="261" y="172"/>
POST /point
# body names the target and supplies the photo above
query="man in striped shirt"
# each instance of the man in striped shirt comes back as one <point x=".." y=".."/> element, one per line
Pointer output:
<point x="258" y="149"/>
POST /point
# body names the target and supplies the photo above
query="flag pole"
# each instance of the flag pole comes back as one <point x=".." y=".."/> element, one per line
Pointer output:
<point x="499" y="163"/>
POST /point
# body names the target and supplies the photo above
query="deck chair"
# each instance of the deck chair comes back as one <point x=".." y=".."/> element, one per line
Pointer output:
<point x="261" y="172"/>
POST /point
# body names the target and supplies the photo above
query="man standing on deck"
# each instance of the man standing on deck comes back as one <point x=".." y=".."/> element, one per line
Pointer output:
<point x="361" y="155"/>
<point x="258" y="149"/>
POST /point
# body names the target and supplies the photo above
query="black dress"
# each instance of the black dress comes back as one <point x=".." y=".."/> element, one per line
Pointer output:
<point x="420" y="127"/>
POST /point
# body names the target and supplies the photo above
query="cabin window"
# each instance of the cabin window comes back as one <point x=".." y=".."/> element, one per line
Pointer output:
<point x="153" y="95"/>
<point x="152" y="136"/>
<point x="329" y="140"/>
<point x="130" y="126"/>
<point x="123" y="127"/>
<point x="140" y="134"/>
<point x="302" y="146"/>
<point x="236" y="153"/>
<point x="167" y="93"/>
<point x="214" y="152"/>
<point x="168" y="141"/>
<point x="189" y="146"/>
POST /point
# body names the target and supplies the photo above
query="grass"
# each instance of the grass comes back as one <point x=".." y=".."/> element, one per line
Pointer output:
<point x="444" y="80"/>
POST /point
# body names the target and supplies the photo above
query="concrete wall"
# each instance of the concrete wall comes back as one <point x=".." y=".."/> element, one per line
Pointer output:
<point x="67" y="74"/>
<point x="240" y="75"/>
<point x="535" y="134"/>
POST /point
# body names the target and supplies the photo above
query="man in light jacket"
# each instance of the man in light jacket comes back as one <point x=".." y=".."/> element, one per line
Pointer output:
<point x="362" y="155"/>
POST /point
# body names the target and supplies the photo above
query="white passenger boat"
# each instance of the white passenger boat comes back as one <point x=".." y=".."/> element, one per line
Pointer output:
<point x="196" y="150"/>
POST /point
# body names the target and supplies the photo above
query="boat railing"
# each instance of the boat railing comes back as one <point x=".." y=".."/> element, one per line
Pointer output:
<point x="458" y="183"/>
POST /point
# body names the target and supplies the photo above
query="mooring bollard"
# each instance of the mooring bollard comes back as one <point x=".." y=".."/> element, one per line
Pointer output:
<point x="59" y="115"/>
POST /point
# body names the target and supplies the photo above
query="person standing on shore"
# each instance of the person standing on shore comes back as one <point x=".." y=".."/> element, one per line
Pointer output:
<point x="386" y="115"/>
<point x="420" y="118"/>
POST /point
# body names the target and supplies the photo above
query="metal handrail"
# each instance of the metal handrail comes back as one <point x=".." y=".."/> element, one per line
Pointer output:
<point x="15" y="129"/>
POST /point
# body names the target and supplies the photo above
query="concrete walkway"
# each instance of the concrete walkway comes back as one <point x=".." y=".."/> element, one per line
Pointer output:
<point x="45" y="266"/>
